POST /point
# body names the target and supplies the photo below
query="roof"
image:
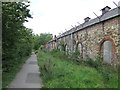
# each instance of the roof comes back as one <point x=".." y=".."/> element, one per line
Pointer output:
<point x="108" y="15"/>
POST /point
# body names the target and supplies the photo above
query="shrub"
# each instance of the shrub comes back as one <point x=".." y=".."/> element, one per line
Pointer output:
<point x="46" y="68"/>
<point x="59" y="54"/>
<point x="41" y="47"/>
<point x="61" y="71"/>
<point x="36" y="51"/>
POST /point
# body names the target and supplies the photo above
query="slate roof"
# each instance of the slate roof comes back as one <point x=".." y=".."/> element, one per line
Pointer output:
<point x="108" y="15"/>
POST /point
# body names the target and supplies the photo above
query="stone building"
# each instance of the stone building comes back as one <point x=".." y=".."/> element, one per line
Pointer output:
<point x="98" y="35"/>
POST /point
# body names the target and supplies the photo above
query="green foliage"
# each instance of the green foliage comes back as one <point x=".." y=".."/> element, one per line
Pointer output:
<point x="94" y="63"/>
<point x="105" y="70"/>
<point x="90" y="62"/>
<point x="60" y="72"/>
<point x="75" y="57"/>
<point x="11" y="69"/>
<point x="41" y="39"/>
<point x="61" y="46"/>
<point x="41" y="47"/>
<point x="16" y="38"/>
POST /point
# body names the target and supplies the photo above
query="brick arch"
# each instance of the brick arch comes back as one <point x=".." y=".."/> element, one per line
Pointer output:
<point x="59" y="47"/>
<point x="65" y="46"/>
<point x="113" y="47"/>
<point x="61" y="44"/>
<point x="66" y="51"/>
<point x="81" y="47"/>
<point x="77" y="44"/>
<point x="107" y="39"/>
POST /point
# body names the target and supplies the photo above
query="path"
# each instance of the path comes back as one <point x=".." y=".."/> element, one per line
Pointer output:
<point x="29" y="75"/>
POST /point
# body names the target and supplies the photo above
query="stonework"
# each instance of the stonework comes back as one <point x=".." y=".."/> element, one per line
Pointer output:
<point x="92" y="38"/>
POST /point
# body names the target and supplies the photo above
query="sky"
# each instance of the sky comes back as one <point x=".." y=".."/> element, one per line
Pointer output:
<point x="57" y="16"/>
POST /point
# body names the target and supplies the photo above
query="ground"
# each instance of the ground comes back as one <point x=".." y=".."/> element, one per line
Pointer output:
<point x="29" y="75"/>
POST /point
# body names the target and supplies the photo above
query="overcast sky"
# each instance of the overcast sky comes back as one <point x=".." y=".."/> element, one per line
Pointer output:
<point x="54" y="16"/>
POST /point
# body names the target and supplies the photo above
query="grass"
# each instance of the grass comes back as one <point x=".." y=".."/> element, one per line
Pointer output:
<point x="57" y="71"/>
<point x="9" y="74"/>
<point x="0" y="75"/>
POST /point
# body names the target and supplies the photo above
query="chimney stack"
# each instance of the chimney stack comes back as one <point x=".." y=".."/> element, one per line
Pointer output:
<point x="86" y="19"/>
<point x="105" y="9"/>
<point x="119" y="4"/>
<point x="54" y="36"/>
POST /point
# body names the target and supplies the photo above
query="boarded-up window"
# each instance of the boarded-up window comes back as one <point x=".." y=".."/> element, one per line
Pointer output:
<point x="107" y="51"/>
<point x="66" y="49"/>
<point x="60" y="48"/>
<point x="79" y="48"/>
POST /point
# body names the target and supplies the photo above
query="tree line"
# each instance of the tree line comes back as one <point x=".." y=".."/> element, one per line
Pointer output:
<point x="17" y="40"/>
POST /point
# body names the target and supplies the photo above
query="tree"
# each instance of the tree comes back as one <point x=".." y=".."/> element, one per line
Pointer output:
<point x="41" y="39"/>
<point x="16" y="38"/>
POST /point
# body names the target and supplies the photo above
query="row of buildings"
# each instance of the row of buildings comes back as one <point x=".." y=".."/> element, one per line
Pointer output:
<point x="98" y="35"/>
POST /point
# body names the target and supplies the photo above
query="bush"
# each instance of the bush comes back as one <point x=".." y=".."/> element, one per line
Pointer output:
<point x="59" y="54"/>
<point x="75" y="57"/>
<point x="95" y="64"/>
<point x="62" y="73"/>
<point x="47" y="68"/>
<point x="105" y="70"/>
<point x="36" y="51"/>
<point x="59" y="73"/>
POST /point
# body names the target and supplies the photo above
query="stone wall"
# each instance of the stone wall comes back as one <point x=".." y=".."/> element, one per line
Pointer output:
<point x="92" y="39"/>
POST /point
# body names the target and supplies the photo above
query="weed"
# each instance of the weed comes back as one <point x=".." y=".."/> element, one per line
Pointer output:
<point x="61" y="71"/>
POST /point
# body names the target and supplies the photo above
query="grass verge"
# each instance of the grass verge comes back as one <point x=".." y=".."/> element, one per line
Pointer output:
<point x="9" y="75"/>
<point x="59" y="72"/>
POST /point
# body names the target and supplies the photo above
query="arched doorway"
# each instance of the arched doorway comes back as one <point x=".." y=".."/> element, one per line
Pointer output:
<point x="80" y="49"/>
<point x="60" y="47"/>
<point x="66" y="49"/>
<point x="107" y="48"/>
<point x="107" y="51"/>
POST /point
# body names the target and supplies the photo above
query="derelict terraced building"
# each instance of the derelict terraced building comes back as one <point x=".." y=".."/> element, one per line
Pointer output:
<point x="98" y="35"/>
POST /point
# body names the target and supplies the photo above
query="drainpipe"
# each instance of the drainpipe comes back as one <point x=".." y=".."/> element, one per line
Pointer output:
<point x="86" y="47"/>
<point x="71" y="43"/>
<point x="56" y="43"/>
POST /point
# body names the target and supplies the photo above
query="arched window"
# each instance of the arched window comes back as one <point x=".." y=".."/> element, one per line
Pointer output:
<point x="79" y="49"/>
<point x="66" y="49"/>
<point x="107" y="48"/>
<point x="59" y="47"/>
<point x="107" y="51"/>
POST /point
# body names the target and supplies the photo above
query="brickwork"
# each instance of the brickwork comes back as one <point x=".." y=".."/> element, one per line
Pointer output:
<point x="93" y="37"/>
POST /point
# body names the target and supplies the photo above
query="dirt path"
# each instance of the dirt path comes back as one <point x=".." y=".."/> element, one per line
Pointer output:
<point x="29" y="75"/>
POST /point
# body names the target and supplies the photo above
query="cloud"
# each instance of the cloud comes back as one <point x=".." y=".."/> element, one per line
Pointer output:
<point x="55" y="16"/>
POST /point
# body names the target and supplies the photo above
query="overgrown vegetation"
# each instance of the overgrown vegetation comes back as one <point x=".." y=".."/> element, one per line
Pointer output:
<point x="57" y="69"/>
<point x="41" y="40"/>
<point x="8" y="76"/>
<point x="61" y="71"/>
<point x="16" y="39"/>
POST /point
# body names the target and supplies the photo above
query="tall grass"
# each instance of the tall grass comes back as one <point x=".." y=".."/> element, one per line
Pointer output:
<point x="59" y="71"/>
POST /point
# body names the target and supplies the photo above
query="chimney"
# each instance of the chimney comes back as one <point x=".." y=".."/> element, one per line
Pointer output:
<point x="54" y="36"/>
<point x="105" y="9"/>
<point x="86" y="19"/>
<point x="119" y="4"/>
